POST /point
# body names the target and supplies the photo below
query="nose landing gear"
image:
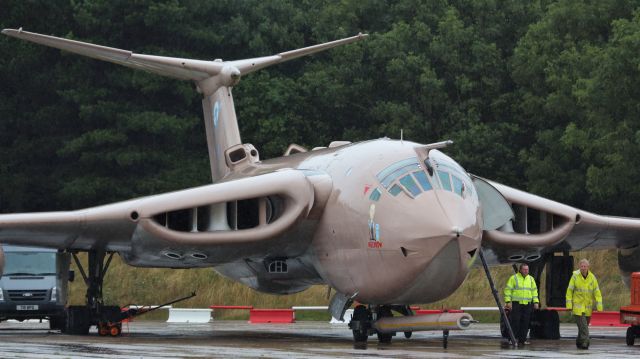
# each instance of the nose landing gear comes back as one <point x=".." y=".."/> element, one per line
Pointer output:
<point x="362" y="323"/>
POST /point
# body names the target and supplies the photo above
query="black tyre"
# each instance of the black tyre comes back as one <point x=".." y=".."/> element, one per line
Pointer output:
<point x="361" y="321"/>
<point x="57" y="322"/>
<point x="78" y="320"/>
<point x="408" y="334"/>
<point x="631" y="336"/>
<point x="384" y="338"/>
<point x="384" y="312"/>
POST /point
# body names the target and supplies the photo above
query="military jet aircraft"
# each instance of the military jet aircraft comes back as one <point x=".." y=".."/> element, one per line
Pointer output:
<point x="386" y="223"/>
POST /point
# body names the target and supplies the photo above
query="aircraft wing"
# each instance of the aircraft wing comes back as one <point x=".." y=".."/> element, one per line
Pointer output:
<point x="530" y="225"/>
<point x="183" y="219"/>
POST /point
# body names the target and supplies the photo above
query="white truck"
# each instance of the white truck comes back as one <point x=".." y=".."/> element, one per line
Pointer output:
<point x="34" y="285"/>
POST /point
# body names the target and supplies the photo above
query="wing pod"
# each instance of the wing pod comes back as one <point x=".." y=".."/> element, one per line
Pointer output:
<point x="279" y="200"/>
<point x="186" y="217"/>
<point x="536" y="221"/>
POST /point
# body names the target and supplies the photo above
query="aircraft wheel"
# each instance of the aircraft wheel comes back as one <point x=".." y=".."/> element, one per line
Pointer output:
<point x="57" y="322"/>
<point x="408" y="334"/>
<point x="384" y="312"/>
<point x="384" y="338"/>
<point x="78" y="320"/>
<point x="631" y="336"/>
<point x="360" y="322"/>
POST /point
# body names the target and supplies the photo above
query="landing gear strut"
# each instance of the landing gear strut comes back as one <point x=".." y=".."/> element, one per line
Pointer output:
<point x="503" y="315"/>
<point x="106" y="318"/>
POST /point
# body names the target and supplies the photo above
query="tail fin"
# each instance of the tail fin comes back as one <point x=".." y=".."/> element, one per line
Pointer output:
<point x="214" y="79"/>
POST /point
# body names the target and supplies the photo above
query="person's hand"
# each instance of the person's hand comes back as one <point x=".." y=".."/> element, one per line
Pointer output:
<point x="507" y="306"/>
<point x="536" y="306"/>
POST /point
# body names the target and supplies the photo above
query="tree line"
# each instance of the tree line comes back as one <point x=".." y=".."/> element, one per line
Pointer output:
<point x="539" y="95"/>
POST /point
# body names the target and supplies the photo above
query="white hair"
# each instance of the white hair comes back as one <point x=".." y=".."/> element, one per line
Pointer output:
<point x="584" y="260"/>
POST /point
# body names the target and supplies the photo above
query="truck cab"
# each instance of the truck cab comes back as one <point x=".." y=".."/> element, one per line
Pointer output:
<point x="34" y="284"/>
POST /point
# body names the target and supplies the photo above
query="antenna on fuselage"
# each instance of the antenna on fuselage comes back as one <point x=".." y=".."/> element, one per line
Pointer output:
<point x="400" y="135"/>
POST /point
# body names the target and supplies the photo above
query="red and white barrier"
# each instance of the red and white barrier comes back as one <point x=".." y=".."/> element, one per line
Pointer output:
<point x="271" y="316"/>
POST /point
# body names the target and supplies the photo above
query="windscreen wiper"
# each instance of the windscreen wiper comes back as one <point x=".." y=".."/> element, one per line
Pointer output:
<point x="19" y="273"/>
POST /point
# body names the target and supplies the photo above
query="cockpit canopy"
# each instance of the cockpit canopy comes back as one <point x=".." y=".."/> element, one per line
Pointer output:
<point x="409" y="176"/>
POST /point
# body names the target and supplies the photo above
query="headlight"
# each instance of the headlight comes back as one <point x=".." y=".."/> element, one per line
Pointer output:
<point x="54" y="294"/>
<point x="1" y="294"/>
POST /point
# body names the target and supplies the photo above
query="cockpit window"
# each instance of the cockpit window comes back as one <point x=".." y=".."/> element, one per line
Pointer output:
<point x="404" y="176"/>
<point x="458" y="186"/>
<point x="375" y="195"/>
<point x="413" y="161"/>
<point x="408" y="183"/>
<point x="422" y="179"/>
<point x="395" y="190"/>
<point x="460" y="181"/>
<point x="388" y="179"/>
<point x="444" y="179"/>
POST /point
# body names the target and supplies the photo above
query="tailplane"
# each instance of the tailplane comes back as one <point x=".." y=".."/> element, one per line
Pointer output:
<point x="214" y="79"/>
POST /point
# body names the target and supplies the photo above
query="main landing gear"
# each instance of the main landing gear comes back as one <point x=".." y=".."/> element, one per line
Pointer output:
<point x="107" y="318"/>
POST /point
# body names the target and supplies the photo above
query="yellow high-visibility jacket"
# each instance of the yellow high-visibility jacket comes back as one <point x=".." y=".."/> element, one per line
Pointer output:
<point x="521" y="289"/>
<point x="582" y="293"/>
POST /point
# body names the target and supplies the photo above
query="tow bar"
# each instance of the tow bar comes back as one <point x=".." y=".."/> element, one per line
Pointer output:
<point x="114" y="327"/>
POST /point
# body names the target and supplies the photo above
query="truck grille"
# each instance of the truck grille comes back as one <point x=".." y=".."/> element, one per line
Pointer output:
<point x="27" y="295"/>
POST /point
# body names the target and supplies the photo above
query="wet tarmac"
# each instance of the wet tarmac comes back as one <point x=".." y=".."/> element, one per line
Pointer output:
<point x="224" y="339"/>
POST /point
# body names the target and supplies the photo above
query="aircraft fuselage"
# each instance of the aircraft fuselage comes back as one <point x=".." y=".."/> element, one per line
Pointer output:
<point x="390" y="231"/>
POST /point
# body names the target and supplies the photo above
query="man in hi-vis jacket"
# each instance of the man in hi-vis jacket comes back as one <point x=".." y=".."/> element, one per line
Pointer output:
<point x="582" y="294"/>
<point x="520" y="294"/>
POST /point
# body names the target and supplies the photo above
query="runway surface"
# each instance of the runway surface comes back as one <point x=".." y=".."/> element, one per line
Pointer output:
<point x="224" y="339"/>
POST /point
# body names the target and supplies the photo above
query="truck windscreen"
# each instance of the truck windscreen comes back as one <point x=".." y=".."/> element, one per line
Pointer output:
<point x="30" y="263"/>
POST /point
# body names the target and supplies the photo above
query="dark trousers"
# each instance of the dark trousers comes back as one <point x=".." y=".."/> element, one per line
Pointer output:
<point x="583" y="330"/>
<point x="519" y="320"/>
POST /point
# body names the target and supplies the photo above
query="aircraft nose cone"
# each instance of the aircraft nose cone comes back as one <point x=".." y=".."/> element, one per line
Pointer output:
<point x="456" y="231"/>
<point x="463" y="219"/>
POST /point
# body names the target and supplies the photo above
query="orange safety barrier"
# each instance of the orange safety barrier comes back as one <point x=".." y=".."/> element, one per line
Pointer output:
<point x="606" y="319"/>
<point x="271" y="316"/>
<point x="635" y="288"/>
